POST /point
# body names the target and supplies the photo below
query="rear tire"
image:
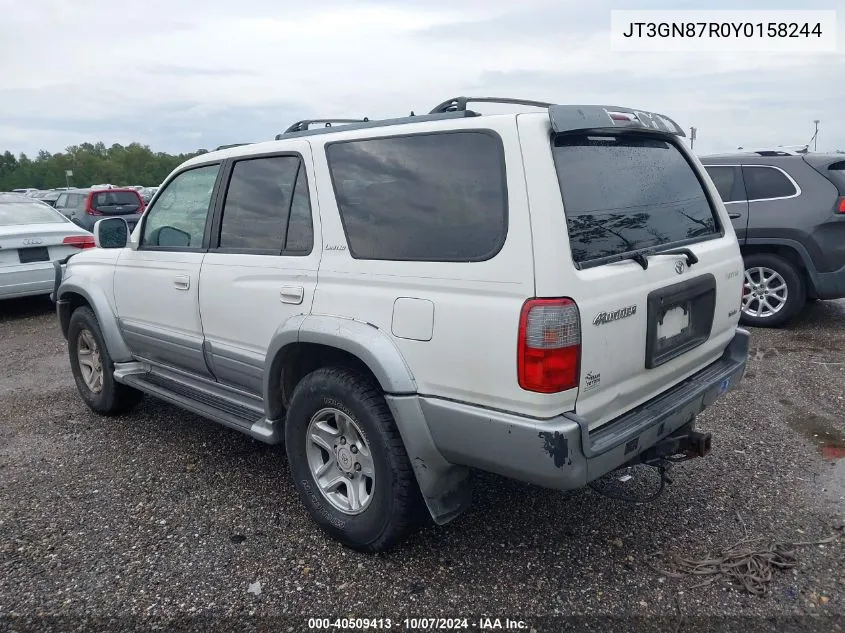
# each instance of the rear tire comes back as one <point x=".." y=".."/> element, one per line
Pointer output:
<point x="93" y="369"/>
<point x="367" y="498"/>
<point x="774" y="291"/>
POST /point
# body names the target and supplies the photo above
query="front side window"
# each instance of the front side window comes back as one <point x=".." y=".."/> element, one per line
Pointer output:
<point x="267" y="207"/>
<point x="623" y="193"/>
<point x="178" y="217"/>
<point x="61" y="201"/>
<point x="763" y="183"/>
<point x="427" y="197"/>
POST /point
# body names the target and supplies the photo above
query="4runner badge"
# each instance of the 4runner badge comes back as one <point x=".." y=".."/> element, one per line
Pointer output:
<point x="610" y="317"/>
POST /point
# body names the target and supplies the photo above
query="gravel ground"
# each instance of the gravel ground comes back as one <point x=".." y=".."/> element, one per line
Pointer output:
<point x="159" y="515"/>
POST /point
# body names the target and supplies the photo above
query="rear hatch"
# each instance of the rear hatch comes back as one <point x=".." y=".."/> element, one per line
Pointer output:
<point x="122" y="202"/>
<point x="649" y="317"/>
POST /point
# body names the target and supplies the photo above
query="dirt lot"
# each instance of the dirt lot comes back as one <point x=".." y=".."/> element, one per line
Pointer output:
<point x="159" y="514"/>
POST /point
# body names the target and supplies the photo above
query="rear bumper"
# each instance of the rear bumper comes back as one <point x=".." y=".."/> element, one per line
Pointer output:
<point x="562" y="453"/>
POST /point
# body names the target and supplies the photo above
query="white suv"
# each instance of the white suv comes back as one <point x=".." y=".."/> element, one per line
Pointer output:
<point x="547" y="295"/>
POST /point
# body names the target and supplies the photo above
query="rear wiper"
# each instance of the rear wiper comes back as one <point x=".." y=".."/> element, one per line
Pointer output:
<point x="692" y="258"/>
<point x="641" y="256"/>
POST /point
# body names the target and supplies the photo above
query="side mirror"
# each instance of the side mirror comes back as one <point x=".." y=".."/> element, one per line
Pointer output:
<point x="171" y="236"/>
<point x="111" y="233"/>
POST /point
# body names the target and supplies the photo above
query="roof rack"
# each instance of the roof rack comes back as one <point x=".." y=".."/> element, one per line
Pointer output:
<point x="459" y="104"/>
<point x="302" y="126"/>
<point x="790" y="150"/>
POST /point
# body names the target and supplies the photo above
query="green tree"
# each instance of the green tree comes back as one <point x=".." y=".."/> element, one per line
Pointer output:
<point x="91" y="163"/>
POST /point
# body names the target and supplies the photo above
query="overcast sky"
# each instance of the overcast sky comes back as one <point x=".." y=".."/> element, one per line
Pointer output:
<point x="184" y="74"/>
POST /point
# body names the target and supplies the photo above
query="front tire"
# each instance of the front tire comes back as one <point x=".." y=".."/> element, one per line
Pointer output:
<point x="774" y="291"/>
<point x="93" y="369"/>
<point x="348" y="462"/>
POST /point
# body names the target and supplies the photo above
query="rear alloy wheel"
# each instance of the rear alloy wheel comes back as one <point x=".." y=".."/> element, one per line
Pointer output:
<point x="773" y="291"/>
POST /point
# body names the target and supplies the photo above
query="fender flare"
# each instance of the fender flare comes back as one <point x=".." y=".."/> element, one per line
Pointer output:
<point x="795" y="245"/>
<point x="106" y="317"/>
<point x="364" y="341"/>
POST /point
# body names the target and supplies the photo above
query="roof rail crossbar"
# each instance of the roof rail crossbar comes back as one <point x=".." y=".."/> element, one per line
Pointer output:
<point x="459" y="104"/>
<point x="301" y="126"/>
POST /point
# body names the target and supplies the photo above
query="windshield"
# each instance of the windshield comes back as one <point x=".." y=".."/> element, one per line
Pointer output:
<point x="20" y="213"/>
<point x="624" y="193"/>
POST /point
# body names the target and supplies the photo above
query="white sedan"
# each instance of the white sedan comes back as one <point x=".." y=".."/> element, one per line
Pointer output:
<point x="32" y="236"/>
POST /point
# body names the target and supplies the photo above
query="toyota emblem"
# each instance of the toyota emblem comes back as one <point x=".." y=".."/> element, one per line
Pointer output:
<point x="32" y="241"/>
<point x="679" y="267"/>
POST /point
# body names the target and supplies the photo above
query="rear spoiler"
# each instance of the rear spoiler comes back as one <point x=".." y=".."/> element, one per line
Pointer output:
<point x="579" y="118"/>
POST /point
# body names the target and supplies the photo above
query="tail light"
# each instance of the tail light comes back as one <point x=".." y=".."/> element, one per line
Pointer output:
<point x="549" y="352"/>
<point x="89" y="206"/>
<point x="79" y="241"/>
<point x="840" y="208"/>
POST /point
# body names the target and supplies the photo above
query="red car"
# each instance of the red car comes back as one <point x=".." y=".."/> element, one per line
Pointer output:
<point x="85" y="206"/>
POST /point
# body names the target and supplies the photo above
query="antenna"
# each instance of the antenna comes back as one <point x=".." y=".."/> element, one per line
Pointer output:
<point x="815" y="139"/>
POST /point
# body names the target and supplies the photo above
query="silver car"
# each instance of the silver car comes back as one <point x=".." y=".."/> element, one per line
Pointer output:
<point x="32" y="236"/>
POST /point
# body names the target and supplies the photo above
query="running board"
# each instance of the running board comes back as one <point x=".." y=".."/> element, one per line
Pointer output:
<point x="230" y="411"/>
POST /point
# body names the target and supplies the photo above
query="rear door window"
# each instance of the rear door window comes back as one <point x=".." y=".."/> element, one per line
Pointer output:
<point x="766" y="183"/>
<point x="624" y="193"/>
<point x="267" y="207"/>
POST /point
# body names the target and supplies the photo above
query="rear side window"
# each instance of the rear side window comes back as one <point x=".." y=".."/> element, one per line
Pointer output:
<point x="624" y="193"/>
<point x="427" y="197"/>
<point x="765" y="183"/>
<point x="725" y="179"/>
<point x="267" y="207"/>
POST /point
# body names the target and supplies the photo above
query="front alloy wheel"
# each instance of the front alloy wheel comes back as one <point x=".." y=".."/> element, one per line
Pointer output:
<point x="90" y="362"/>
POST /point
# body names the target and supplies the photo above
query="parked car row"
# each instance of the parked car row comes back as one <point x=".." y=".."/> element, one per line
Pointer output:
<point x="51" y="195"/>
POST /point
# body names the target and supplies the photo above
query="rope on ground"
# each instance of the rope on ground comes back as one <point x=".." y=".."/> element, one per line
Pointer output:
<point x="750" y="563"/>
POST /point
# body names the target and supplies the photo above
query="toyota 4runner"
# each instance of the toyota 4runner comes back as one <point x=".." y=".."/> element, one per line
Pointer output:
<point x="547" y="295"/>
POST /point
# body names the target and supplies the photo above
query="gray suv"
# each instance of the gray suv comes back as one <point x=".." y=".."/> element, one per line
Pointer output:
<point x="788" y="210"/>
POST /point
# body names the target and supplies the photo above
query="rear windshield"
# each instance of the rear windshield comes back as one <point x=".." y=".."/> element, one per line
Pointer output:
<point x="115" y="199"/>
<point x="20" y="213"/>
<point x="624" y="193"/>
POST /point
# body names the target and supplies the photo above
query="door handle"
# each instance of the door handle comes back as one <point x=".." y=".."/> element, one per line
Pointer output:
<point x="182" y="282"/>
<point x="734" y="216"/>
<point x="292" y="294"/>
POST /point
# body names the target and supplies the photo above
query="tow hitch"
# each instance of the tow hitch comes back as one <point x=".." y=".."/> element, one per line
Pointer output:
<point x="678" y="447"/>
<point x="683" y="444"/>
